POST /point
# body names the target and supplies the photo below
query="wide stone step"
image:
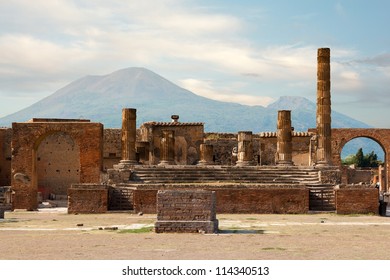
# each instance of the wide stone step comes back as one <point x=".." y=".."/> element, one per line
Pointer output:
<point x="188" y="174"/>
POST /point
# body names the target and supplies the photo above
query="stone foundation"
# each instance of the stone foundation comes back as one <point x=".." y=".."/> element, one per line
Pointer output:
<point x="186" y="211"/>
<point x="233" y="199"/>
<point x="87" y="198"/>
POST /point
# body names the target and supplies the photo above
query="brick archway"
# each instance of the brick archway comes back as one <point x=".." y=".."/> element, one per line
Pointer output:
<point x="25" y="142"/>
<point x="341" y="136"/>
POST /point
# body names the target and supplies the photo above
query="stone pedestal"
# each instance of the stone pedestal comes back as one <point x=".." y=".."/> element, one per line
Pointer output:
<point x="284" y="139"/>
<point x="324" y="149"/>
<point x="186" y="212"/>
<point x="206" y="154"/>
<point x="167" y="148"/>
<point x="129" y="134"/>
<point x="245" y="149"/>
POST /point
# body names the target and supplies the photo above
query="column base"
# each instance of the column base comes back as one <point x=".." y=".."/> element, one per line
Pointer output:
<point x="166" y="162"/>
<point x="284" y="163"/>
<point x="204" y="163"/>
<point x="126" y="164"/>
<point x="245" y="163"/>
<point x="322" y="164"/>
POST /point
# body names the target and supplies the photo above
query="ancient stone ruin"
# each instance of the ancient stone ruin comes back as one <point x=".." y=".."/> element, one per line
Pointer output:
<point x="95" y="170"/>
<point x="187" y="211"/>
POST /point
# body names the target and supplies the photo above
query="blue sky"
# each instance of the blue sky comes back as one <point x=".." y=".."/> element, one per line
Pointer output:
<point x="250" y="52"/>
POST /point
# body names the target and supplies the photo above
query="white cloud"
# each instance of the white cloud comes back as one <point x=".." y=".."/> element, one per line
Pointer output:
<point x="207" y="89"/>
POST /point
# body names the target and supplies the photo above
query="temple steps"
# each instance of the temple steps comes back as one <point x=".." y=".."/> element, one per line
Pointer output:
<point x="196" y="174"/>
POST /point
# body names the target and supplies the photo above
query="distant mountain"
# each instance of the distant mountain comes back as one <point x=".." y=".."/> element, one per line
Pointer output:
<point x="101" y="99"/>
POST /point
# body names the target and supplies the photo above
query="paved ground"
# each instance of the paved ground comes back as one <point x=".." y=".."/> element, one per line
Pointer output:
<point x="54" y="234"/>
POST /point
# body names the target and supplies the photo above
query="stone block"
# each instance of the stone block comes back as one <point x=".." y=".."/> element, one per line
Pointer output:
<point x="186" y="211"/>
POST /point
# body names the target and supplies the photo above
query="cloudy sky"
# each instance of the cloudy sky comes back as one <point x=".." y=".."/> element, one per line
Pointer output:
<point x="250" y="52"/>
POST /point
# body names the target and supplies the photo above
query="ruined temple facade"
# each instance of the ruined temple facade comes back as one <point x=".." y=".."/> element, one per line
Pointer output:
<point x="267" y="172"/>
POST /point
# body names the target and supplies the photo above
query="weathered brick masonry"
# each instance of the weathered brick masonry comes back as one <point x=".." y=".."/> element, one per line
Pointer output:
<point x="87" y="198"/>
<point x="352" y="200"/>
<point x="235" y="199"/>
<point x="188" y="211"/>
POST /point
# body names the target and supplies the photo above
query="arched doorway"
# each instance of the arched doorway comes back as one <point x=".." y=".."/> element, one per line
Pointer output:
<point x="57" y="165"/>
<point x="363" y="159"/>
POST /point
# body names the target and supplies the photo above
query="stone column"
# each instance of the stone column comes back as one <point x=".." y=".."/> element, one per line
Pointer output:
<point x="245" y="149"/>
<point x="206" y="154"/>
<point x="324" y="149"/>
<point x="167" y="148"/>
<point x="284" y="139"/>
<point x="129" y="134"/>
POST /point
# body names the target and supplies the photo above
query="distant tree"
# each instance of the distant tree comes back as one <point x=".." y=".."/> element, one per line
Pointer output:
<point x="362" y="160"/>
<point x="359" y="158"/>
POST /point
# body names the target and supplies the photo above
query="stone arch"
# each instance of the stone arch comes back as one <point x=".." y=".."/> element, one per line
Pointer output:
<point x="27" y="138"/>
<point x="341" y="136"/>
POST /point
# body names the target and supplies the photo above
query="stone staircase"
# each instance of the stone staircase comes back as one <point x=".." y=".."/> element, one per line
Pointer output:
<point x="224" y="174"/>
<point x="322" y="198"/>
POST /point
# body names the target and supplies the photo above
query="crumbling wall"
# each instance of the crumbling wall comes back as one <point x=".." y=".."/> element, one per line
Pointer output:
<point x="264" y="148"/>
<point x="188" y="137"/>
<point x="87" y="198"/>
<point x="5" y="156"/>
<point x="112" y="147"/>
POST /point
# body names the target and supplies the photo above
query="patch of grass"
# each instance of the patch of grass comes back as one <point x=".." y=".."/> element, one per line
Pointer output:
<point x="251" y="219"/>
<point x="137" y="230"/>
<point x="273" y="248"/>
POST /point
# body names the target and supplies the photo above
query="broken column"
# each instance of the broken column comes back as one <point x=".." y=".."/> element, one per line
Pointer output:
<point x="167" y="148"/>
<point x="324" y="153"/>
<point x="129" y="134"/>
<point x="284" y="138"/>
<point x="206" y="154"/>
<point x="245" y="149"/>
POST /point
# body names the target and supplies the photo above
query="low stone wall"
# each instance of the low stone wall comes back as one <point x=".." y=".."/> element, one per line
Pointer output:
<point x="187" y="211"/>
<point x="263" y="201"/>
<point x="354" y="200"/>
<point x="240" y="200"/>
<point x="87" y="198"/>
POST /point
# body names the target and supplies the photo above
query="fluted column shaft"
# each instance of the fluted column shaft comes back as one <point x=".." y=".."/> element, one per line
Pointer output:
<point x="129" y="135"/>
<point x="284" y="138"/>
<point x="324" y="152"/>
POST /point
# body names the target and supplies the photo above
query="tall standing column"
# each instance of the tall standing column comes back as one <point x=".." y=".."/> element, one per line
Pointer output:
<point x="245" y="149"/>
<point x="167" y="148"/>
<point x="324" y="149"/>
<point x="284" y="139"/>
<point x="129" y="134"/>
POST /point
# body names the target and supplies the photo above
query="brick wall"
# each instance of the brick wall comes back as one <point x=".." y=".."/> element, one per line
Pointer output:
<point x="186" y="211"/>
<point x="5" y="156"/>
<point x="87" y="198"/>
<point x="353" y="200"/>
<point x="240" y="200"/>
<point x="26" y="139"/>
